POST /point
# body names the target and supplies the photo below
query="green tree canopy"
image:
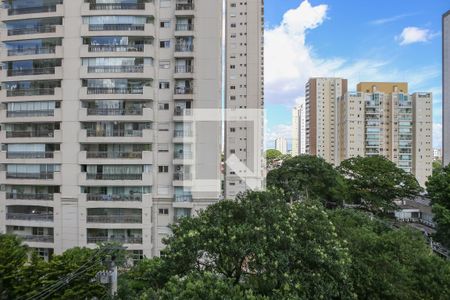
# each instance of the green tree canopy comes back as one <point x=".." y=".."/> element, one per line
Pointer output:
<point x="375" y="182"/>
<point x="13" y="256"/>
<point x="308" y="177"/>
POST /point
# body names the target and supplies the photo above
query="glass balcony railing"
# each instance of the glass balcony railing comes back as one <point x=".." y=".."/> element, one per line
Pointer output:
<point x="117" y="239"/>
<point x="31" y="51"/>
<point x="28" y="155"/>
<point x="114" y="133"/>
<point x="113" y="155"/>
<point x="30" y="113"/>
<point x="102" y="176"/>
<point x="116" y="48"/>
<point x="184" y="6"/>
<point x="30" y="92"/>
<point x="31" y="10"/>
<point x="184" y="69"/>
<point x="37" y="238"/>
<point x="116" y="27"/>
<point x="35" y="71"/>
<point x="183" y="198"/>
<point x="21" y="175"/>
<point x="29" y="196"/>
<point x="32" y="30"/>
<point x="30" y="216"/>
<point x="114" y="111"/>
<point x="183" y="155"/>
<point x="116" y="6"/>
<point x="117" y="91"/>
<point x="184" y="48"/>
<point x="27" y="134"/>
<point x="119" y="198"/>
<point x="116" y="69"/>
<point x="184" y="91"/>
<point x="182" y="133"/>
<point x="182" y="112"/>
<point x="184" y="27"/>
<point x="182" y="176"/>
<point x="114" y="218"/>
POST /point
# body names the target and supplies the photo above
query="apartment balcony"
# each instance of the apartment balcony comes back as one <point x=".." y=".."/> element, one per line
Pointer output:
<point x="118" y="9"/>
<point x="41" y="178"/>
<point x="184" y="72"/>
<point x="18" y="137"/>
<point x="144" y="30"/>
<point x="37" y="238"/>
<point x="44" y="11"/>
<point x="182" y="179"/>
<point x="116" y="114"/>
<point x="183" y="201"/>
<point x="32" y="74"/>
<point x="141" y="179"/>
<point x="34" y="94"/>
<point x="184" y="29"/>
<point x="183" y="93"/>
<point x="117" y="50"/>
<point x="111" y="239"/>
<point x="183" y="114"/>
<point x="46" y="52"/>
<point x="118" y="136"/>
<point x="183" y="158"/>
<point x="183" y="136"/>
<point x="24" y="116"/>
<point x="184" y="51"/>
<point x="30" y="157"/>
<point x="29" y="199"/>
<point x="116" y="219"/>
<point x="116" y="201"/>
<point x="184" y="8"/>
<point x="130" y="72"/>
<point x="36" y="32"/>
<point x="100" y="93"/>
<point x="115" y="158"/>
<point x="40" y="217"/>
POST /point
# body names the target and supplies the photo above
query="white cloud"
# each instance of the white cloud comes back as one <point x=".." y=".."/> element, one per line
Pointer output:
<point x="390" y="19"/>
<point x="411" y="35"/>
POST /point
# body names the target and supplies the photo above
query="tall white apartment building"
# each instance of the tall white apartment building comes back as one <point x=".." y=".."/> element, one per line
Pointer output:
<point x="97" y="110"/>
<point x="281" y="145"/>
<point x="321" y="98"/>
<point x="299" y="129"/>
<point x="244" y="96"/>
<point x="381" y="118"/>
<point x="446" y="87"/>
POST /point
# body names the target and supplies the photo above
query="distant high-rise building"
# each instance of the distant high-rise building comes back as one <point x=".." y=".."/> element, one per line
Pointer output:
<point x="446" y="87"/>
<point x="244" y="93"/>
<point x="281" y="145"/>
<point x="382" y="119"/>
<point x="99" y="140"/>
<point x="299" y="129"/>
<point x="321" y="99"/>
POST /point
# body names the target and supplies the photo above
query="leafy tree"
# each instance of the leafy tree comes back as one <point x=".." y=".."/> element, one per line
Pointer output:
<point x="13" y="256"/>
<point x="308" y="177"/>
<point x="438" y="188"/>
<point x="390" y="263"/>
<point x="375" y="182"/>
<point x="272" y="154"/>
<point x="258" y="243"/>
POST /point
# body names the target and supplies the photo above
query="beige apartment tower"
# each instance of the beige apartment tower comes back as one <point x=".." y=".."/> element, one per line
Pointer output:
<point x="321" y="101"/>
<point x="98" y="131"/>
<point x="381" y="118"/>
<point x="244" y="96"/>
<point x="299" y="129"/>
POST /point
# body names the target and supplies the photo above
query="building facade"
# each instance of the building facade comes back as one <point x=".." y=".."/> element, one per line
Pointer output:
<point x="299" y="129"/>
<point x="383" y="119"/>
<point x="281" y="145"/>
<point x="321" y="99"/>
<point x="244" y="95"/>
<point x="99" y="141"/>
<point x="446" y="87"/>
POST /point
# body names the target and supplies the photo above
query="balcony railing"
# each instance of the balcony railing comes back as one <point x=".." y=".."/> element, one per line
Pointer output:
<point x="37" y="238"/>
<point x="30" y="113"/>
<point x="116" y="6"/>
<point x="184" y="91"/>
<point x="182" y="176"/>
<point x="21" y="175"/>
<point x="116" y="48"/>
<point x="184" y="48"/>
<point x="35" y="71"/>
<point x="116" y="69"/>
<point x="30" y="216"/>
<point x="26" y="155"/>
<point x="184" y="6"/>
<point x="32" y="30"/>
<point x="183" y="198"/>
<point x="32" y="51"/>
<point x="184" y="27"/>
<point x="184" y="69"/>
<point x="114" y="111"/>
<point x="114" y="218"/>
<point x="183" y="155"/>
<point x="29" y="196"/>
<point x="114" y="133"/>
<point x="25" y="134"/>
<point x="117" y="91"/>
<point x="100" y="176"/>
<point x="119" y="155"/>
<point x="117" y="239"/>
<point x="118" y="198"/>
<point x="116" y="27"/>
<point x="30" y="92"/>
<point x="32" y="10"/>
<point x="182" y="133"/>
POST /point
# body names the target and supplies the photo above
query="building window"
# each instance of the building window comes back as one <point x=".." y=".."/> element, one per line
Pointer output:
<point x="164" y="44"/>
<point x="163" y="85"/>
<point x="163" y="211"/>
<point x="163" y="106"/>
<point x="164" y="24"/>
<point x="164" y="64"/>
<point x="163" y="169"/>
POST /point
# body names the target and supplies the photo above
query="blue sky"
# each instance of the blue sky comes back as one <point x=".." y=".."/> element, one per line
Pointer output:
<point x="383" y="40"/>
